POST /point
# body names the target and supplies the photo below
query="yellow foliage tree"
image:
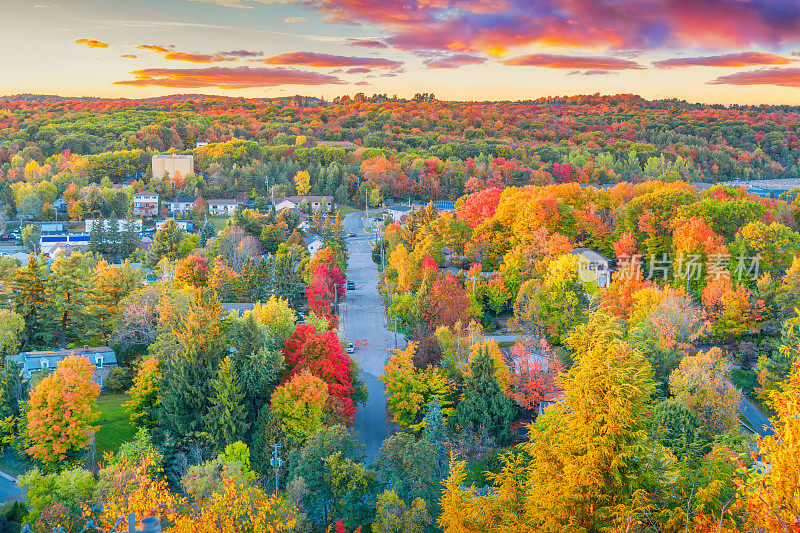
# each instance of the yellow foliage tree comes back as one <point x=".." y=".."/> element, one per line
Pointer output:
<point x="302" y="181"/>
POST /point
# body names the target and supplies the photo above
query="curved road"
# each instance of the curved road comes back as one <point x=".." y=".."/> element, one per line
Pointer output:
<point x="364" y="325"/>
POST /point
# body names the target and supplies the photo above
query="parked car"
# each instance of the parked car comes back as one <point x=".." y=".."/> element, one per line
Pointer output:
<point x="350" y="347"/>
<point x="351" y="286"/>
<point x="351" y="234"/>
<point x="6" y="237"/>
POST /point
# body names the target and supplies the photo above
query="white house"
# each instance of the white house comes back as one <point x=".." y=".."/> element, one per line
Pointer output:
<point x="314" y="244"/>
<point x="180" y="205"/>
<point x="284" y="204"/>
<point x="222" y="207"/>
<point x="316" y="202"/>
<point x="398" y="211"/>
<point x="122" y="224"/>
<point x="145" y="203"/>
<point x="185" y="225"/>
<point x="593" y="266"/>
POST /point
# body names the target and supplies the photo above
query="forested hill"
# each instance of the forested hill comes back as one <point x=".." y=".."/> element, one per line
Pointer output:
<point x="422" y="149"/>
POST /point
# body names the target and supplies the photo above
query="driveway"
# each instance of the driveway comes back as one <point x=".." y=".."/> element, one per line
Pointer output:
<point x="365" y="327"/>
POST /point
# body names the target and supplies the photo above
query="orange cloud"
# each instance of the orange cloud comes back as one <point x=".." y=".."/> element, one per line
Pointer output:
<point x="741" y="59"/>
<point x="92" y="43"/>
<point x="573" y="62"/>
<point x="315" y="59"/>
<point x="226" y="78"/>
<point x="130" y="56"/>
<point x="783" y="77"/>
<point x="153" y="48"/>
<point x="197" y="58"/>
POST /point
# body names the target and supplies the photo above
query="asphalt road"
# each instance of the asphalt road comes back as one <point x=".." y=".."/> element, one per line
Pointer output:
<point x="9" y="490"/>
<point x="755" y="418"/>
<point x="365" y="326"/>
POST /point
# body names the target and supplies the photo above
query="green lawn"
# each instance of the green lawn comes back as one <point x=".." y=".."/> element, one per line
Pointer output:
<point x="114" y="421"/>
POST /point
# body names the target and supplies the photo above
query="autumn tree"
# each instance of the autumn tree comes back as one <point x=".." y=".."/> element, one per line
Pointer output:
<point x="143" y="403"/>
<point x="534" y="373"/>
<point x="770" y="495"/>
<point x="448" y="303"/>
<point x="580" y="468"/>
<point x="302" y="182"/>
<point x="191" y="270"/>
<point x="300" y="403"/>
<point x="165" y="243"/>
<point x="702" y="383"/>
<point x="277" y="316"/>
<point x="60" y="413"/>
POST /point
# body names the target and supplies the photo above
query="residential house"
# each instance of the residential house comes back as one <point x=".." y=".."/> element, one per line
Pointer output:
<point x="238" y="308"/>
<point x="48" y="243"/>
<point x="172" y="165"/>
<point x="222" y="207"/>
<point x="593" y="266"/>
<point x="145" y="204"/>
<point x="185" y="225"/>
<point x="314" y="243"/>
<point x="181" y="205"/>
<point x="122" y="224"/>
<point x="102" y="357"/>
<point x="398" y="211"/>
<point x="284" y="204"/>
<point x="315" y="202"/>
<point x="60" y="205"/>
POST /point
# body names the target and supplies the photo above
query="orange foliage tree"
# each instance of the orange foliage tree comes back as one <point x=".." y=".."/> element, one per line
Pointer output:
<point x="60" y="413"/>
<point x="535" y="369"/>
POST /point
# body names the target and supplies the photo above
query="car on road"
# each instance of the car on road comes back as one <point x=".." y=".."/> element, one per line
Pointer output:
<point x="351" y="234"/>
<point x="6" y="237"/>
<point x="351" y="286"/>
<point x="350" y="347"/>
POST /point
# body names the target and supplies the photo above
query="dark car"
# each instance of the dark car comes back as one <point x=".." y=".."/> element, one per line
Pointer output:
<point x="351" y="286"/>
<point x="6" y="237"/>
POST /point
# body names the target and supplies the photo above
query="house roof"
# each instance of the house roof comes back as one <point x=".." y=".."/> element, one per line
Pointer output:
<point x="172" y="156"/>
<point x="400" y="208"/>
<point x="591" y="255"/>
<point x="69" y="351"/>
<point x="143" y="193"/>
<point x="182" y="200"/>
<point x="307" y="199"/>
<point x="223" y="201"/>
<point x="340" y="144"/>
<point x="240" y="308"/>
<point x="311" y="238"/>
<point x="444" y="205"/>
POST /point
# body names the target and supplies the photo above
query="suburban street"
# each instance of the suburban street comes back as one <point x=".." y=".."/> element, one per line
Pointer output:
<point x="365" y="327"/>
<point x="9" y="490"/>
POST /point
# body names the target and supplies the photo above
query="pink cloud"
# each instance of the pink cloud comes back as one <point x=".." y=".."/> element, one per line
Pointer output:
<point x="454" y="61"/>
<point x="573" y="62"/>
<point x="495" y="27"/>
<point x="226" y="78"/>
<point x="368" y="43"/>
<point x="316" y="59"/>
<point x="784" y="77"/>
<point x="741" y="59"/>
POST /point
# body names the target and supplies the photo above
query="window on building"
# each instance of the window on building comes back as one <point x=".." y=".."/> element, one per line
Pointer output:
<point x="99" y="360"/>
<point x="45" y="364"/>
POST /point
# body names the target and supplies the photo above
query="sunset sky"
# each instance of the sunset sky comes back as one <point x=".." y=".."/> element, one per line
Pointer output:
<point x="713" y="51"/>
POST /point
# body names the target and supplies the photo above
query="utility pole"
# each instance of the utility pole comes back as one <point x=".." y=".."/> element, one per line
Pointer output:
<point x="394" y="327"/>
<point x="277" y="462"/>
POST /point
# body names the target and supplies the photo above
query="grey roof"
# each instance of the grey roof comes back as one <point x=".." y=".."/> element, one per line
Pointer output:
<point x="311" y="238"/>
<point x="591" y="255"/>
<point x="400" y="208"/>
<point x="240" y="308"/>
<point x="172" y="156"/>
<point x="444" y="205"/>
<point x="182" y="200"/>
<point x="33" y="361"/>
<point x="223" y="201"/>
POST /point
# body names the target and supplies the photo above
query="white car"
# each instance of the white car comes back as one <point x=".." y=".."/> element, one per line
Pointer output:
<point x="350" y="347"/>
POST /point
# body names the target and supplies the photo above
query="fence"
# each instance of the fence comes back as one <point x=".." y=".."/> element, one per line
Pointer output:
<point x="150" y="524"/>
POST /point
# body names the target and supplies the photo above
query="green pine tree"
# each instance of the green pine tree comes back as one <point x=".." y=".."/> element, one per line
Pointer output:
<point x="226" y="421"/>
<point x="436" y="433"/>
<point x="29" y="287"/>
<point x="68" y="291"/>
<point x="207" y="232"/>
<point x="484" y="402"/>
